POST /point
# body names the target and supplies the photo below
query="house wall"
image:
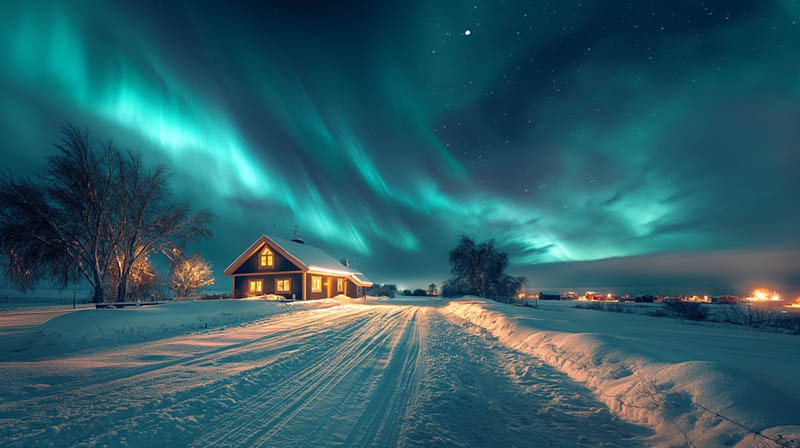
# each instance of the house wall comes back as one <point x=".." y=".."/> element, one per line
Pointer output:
<point x="241" y="286"/>
<point x="280" y="263"/>
<point x="324" y="294"/>
<point x="352" y="289"/>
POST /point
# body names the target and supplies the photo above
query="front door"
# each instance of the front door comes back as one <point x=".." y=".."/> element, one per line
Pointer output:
<point x="330" y="286"/>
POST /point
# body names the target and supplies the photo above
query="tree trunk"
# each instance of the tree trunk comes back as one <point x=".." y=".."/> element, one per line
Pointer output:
<point x="98" y="294"/>
<point x="122" y="288"/>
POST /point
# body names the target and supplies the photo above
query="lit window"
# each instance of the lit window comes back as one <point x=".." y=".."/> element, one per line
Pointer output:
<point x="283" y="285"/>
<point x="340" y="284"/>
<point x="255" y="286"/>
<point x="266" y="258"/>
<point x="316" y="284"/>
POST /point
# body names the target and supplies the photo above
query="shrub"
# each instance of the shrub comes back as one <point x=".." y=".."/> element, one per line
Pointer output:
<point x="384" y="290"/>
<point x="686" y="310"/>
<point x="603" y="306"/>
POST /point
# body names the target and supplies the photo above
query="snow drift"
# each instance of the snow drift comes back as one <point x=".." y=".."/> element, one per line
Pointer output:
<point x="698" y="402"/>
<point x="92" y="328"/>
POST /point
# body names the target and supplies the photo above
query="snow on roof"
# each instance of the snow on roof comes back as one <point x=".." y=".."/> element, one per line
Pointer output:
<point x="311" y="256"/>
<point x="361" y="280"/>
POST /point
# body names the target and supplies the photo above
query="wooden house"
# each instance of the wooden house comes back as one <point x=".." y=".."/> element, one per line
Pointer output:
<point x="292" y="269"/>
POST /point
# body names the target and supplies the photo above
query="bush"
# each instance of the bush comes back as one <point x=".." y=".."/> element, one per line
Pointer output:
<point x="763" y="318"/>
<point x="603" y="306"/>
<point x="686" y="310"/>
<point x="384" y="290"/>
<point x="420" y="292"/>
<point x="454" y="288"/>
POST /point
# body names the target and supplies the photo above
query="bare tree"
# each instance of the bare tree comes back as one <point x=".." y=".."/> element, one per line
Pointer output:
<point x="60" y="225"/>
<point x="150" y="222"/>
<point x="93" y="206"/>
<point x="189" y="274"/>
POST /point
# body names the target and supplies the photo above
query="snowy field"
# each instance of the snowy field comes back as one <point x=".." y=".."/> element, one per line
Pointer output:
<point x="402" y="372"/>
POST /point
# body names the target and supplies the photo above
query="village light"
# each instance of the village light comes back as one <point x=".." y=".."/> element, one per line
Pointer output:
<point x="764" y="295"/>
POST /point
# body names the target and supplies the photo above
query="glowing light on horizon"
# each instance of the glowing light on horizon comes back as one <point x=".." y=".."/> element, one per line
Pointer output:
<point x="764" y="295"/>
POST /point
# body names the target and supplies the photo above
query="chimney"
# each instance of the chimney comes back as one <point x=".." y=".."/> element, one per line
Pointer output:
<point x="346" y="262"/>
<point x="297" y="238"/>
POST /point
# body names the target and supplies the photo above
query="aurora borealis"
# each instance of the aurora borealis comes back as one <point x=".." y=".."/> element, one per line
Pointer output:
<point x="571" y="132"/>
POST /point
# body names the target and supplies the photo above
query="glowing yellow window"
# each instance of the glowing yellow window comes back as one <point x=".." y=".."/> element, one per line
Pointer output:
<point x="256" y="286"/>
<point x="316" y="283"/>
<point x="266" y="258"/>
<point x="340" y="284"/>
<point x="283" y="285"/>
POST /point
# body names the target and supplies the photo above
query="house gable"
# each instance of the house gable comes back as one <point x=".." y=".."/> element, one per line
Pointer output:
<point x="251" y="264"/>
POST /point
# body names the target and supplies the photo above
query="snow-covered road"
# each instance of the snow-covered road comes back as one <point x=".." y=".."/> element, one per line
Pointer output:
<point x="354" y="375"/>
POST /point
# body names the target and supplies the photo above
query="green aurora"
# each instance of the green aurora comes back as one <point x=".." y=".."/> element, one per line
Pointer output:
<point x="567" y="132"/>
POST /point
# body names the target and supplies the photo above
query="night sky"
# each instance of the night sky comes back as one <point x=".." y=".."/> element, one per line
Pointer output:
<point x="630" y="145"/>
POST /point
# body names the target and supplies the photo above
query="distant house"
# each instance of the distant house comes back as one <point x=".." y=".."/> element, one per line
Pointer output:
<point x="726" y="299"/>
<point x="549" y="295"/>
<point x="292" y="269"/>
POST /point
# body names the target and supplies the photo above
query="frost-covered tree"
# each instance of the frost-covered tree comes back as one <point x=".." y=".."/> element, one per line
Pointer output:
<point x="89" y="207"/>
<point x="190" y="274"/>
<point x="143" y="280"/>
<point x="59" y="226"/>
<point x="150" y="221"/>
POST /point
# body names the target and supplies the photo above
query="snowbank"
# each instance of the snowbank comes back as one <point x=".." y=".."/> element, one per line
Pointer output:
<point x="92" y="328"/>
<point x="657" y="372"/>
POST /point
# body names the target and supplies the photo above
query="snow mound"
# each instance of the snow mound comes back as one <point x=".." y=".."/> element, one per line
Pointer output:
<point x="699" y="402"/>
<point x="271" y="297"/>
<point x="341" y="298"/>
<point x="376" y="298"/>
<point x="93" y="328"/>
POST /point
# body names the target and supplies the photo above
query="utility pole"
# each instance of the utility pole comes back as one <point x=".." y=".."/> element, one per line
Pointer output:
<point x="73" y="299"/>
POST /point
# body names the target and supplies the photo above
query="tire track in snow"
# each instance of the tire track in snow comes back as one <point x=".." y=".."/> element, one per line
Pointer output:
<point x="381" y="421"/>
<point x="262" y="421"/>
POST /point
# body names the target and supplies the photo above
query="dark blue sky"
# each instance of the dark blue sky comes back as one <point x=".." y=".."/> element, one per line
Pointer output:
<point x="622" y="144"/>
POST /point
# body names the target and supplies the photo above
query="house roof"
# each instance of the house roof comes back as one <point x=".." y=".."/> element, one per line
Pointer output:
<point x="307" y="257"/>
